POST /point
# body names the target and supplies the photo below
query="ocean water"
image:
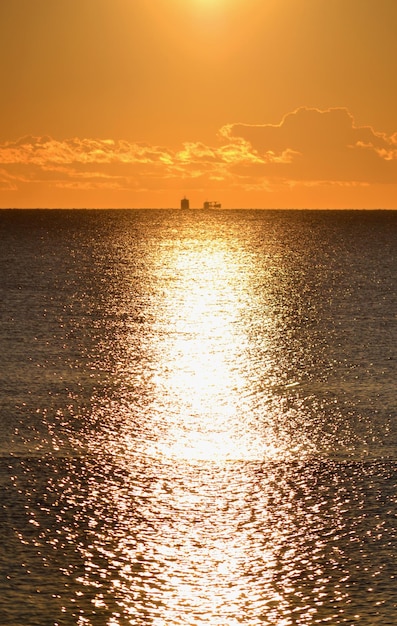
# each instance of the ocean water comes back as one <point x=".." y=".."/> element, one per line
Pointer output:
<point x="198" y="418"/>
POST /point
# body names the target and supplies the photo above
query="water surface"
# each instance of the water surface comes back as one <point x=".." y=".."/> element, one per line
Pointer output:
<point x="198" y="418"/>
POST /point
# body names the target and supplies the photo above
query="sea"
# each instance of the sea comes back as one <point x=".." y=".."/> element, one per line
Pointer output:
<point x="198" y="418"/>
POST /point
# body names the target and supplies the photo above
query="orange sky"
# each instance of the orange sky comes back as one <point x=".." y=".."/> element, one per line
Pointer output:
<point x="253" y="103"/>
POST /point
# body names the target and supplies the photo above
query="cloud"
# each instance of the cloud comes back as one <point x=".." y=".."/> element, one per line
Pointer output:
<point x="314" y="145"/>
<point x="46" y="151"/>
<point x="308" y="148"/>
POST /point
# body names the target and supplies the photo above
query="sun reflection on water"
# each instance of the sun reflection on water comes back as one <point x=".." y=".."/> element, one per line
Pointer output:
<point x="202" y="426"/>
<point x="199" y="367"/>
<point x="206" y="523"/>
<point x="196" y="432"/>
<point x="201" y="388"/>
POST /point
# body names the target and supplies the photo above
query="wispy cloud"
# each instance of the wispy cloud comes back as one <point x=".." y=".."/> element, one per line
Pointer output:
<point x="309" y="147"/>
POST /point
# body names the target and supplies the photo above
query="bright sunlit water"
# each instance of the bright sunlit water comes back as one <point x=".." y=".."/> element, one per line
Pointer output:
<point x="198" y="418"/>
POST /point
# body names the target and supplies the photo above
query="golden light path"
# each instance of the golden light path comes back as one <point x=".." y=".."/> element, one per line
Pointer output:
<point x="202" y="375"/>
<point x="194" y="557"/>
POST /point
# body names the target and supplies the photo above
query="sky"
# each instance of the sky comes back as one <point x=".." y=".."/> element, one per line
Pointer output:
<point x="251" y="103"/>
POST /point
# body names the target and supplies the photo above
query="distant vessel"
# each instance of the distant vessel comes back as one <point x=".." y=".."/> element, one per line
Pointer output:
<point x="208" y="204"/>
<point x="211" y="205"/>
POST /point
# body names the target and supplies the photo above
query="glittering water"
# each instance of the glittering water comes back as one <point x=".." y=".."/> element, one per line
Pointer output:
<point x="198" y="418"/>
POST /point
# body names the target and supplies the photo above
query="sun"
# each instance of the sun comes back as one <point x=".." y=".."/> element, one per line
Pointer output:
<point x="213" y="5"/>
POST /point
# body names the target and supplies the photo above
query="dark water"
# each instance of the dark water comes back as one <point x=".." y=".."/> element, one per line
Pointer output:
<point x="198" y="418"/>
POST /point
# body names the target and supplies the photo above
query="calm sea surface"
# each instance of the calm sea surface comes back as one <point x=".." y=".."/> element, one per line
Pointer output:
<point x="198" y="418"/>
